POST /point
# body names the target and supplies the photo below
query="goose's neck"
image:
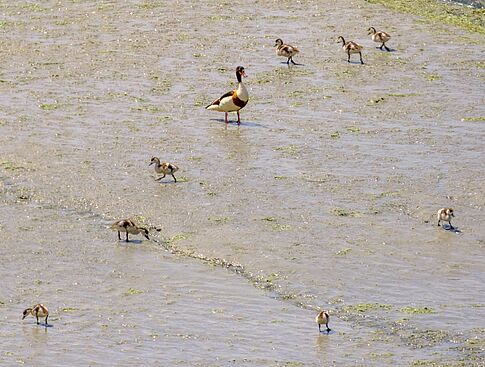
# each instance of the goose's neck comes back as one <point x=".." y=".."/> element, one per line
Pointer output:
<point x="242" y="92"/>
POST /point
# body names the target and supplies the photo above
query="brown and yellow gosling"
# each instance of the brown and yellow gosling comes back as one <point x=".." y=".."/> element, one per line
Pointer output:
<point x="39" y="310"/>
<point x="351" y="48"/>
<point x="128" y="226"/>
<point x="323" y="318"/>
<point x="445" y="214"/>
<point x="165" y="168"/>
<point x="286" y="51"/>
<point x="379" y="37"/>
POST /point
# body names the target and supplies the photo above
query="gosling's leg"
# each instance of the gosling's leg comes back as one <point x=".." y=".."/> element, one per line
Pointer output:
<point x="328" y="329"/>
<point x="174" y="178"/>
<point x="291" y="59"/>
<point x="119" y="236"/>
<point x="46" y="320"/>
<point x="361" y="61"/>
<point x="319" y="330"/>
<point x="37" y="317"/>
<point x="288" y="61"/>
<point x="160" y="178"/>
<point x="451" y="227"/>
<point x="380" y="48"/>
<point x="127" y="236"/>
<point x="225" y="119"/>
<point x="238" y="118"/>
<point x="439" y="220"/>
<point x="387" y="48"/>
<point x="348" y="59"/>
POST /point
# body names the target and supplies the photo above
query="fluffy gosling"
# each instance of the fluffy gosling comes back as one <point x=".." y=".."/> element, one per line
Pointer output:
<point x="445" y="214"/>
<point x="165" y="168"/>
<point x="286" y="51"/>
<point x="128" y="226"/>
<point x="379" y="37"/>
<point x="351" y="48"/>
<point x="323" y="318"/>
<point x="39" y="310"/>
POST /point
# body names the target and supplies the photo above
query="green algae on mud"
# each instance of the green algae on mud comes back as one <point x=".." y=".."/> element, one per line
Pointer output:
<point x="343" y="252"/>
<point x="69" y="309"/>
<point x="366" y="307"/>
<point x="341" y="212"/>
<point x="14" y="166"/>
<point x="416" y="310"/>
<point x="132" y="291"/>
<point x="461" y="16"/>
<point x="48" y="106"/>
<point x="474" y="119"/>
<point x="425" y="338"/>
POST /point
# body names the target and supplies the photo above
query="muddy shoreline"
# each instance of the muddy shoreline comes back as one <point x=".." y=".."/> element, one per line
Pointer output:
<point x="324" y="197"/>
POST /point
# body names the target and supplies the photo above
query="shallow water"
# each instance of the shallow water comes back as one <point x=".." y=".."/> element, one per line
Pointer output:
<point x="325" y="195"/>
<point x="477" y="4"/>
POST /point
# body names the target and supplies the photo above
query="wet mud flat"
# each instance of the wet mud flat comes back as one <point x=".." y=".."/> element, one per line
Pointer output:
<point x="325" y="196"/>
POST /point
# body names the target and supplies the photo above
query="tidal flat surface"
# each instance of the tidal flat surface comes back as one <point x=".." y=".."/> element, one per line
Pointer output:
<point x="324" y="197"/>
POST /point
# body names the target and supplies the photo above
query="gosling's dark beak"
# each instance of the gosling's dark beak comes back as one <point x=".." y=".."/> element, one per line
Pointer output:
<point x="146" y="236"/>
<point x="150" y="164"/>
<point x="243" y="73"/>
<point x="453" y="215"/>
<point x="24" y="316"/>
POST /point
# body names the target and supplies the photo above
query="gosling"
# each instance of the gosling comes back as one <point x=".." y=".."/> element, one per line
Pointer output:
<point x="445" y="214"/>
<point x="39" y="310"/>
<point x="323" y="318"/>
<point x="351" y="48"/>
<point x="128" y="226"/>
<point x="165" y="168"/>
<point x="379" y="37"/>
<point x="286" y="51"/>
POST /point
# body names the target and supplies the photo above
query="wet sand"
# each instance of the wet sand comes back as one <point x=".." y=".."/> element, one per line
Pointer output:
<point x="325" y="196"/>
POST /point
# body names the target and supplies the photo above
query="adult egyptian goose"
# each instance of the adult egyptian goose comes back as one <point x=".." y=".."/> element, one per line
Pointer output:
<point x="234" y="100"/>
<point x="286" y="51"/>
<point x="128" y="226"/>
<point x="351" y="48"/>
<point x="379" y="37"/>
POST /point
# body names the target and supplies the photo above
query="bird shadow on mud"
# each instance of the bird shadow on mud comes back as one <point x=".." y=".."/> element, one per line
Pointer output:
<point x="390" y="49"/>
<point x="243" y="123"/>
<point x="353" y="62"/>
<point x="167" y="182"/>
<point x="451" y="229"/>
<point x="130" y="242"/>
<point x="291" y="65"/>
<point x="45" y="325"/>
